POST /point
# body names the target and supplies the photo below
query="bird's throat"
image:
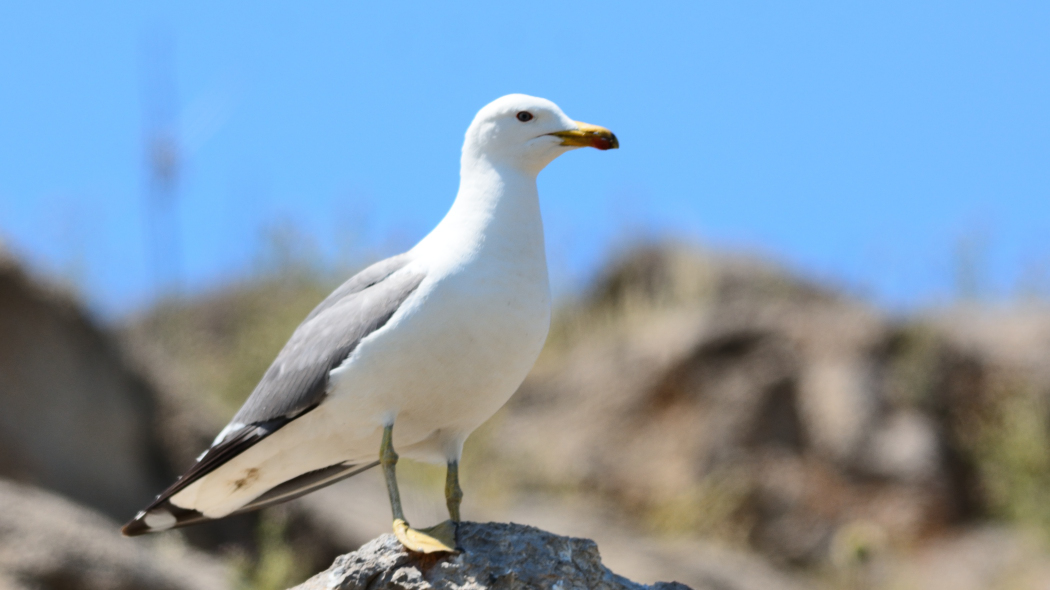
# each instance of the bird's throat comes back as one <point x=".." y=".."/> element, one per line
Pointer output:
<point x="496" y="213"/>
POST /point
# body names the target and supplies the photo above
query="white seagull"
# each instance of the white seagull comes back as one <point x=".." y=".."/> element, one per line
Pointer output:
<point x="413" y="352"/>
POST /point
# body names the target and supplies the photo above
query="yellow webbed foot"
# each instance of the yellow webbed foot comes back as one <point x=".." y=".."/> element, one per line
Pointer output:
<point x="435" y="539"/>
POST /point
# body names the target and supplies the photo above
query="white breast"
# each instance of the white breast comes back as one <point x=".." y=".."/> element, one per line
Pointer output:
<point x="465" y="341"/>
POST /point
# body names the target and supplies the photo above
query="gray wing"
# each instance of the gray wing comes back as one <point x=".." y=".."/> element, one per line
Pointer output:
<point x="297" y="381"/>
<point x="361" y="281"/>
<point x="298" y="378"/>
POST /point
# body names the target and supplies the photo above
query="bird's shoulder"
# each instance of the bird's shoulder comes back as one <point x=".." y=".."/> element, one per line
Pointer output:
<point x="370" y="276"/>
<point x="297" y="380"/>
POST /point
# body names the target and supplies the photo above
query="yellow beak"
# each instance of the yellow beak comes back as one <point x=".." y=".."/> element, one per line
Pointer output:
<point x="589" y="136"/>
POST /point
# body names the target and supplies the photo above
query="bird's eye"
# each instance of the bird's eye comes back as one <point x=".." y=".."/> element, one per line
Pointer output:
<point x="524" y="116"/>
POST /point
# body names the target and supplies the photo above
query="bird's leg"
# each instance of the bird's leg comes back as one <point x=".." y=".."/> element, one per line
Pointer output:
<point x="453" y="494"/>
<point x="388" y="459"/>
<point x="425" y="541"/>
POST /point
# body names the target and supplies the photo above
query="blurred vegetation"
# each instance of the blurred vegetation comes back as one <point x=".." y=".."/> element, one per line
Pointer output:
<point x="229" y="338"/>
<point x="1012" y="450"/>
<point x="914" y="356"/>
<point x="714" y="508"/>
<point x="277" y="565"/>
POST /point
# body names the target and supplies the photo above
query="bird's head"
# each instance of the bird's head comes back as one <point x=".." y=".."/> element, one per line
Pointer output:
<point x="529" y="132"/>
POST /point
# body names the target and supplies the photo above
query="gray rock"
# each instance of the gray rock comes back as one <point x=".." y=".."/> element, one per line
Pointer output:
<point x="73" y="417"/>
<point x="83" y="416"/>
<point x="48" y="542"/>
<point x="495" y="555"/>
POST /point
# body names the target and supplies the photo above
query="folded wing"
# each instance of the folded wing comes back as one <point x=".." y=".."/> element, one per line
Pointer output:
<point x="296" y="383"/>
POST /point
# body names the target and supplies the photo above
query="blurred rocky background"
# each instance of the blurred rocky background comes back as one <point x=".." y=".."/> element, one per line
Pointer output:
<point x="705" y="417"/>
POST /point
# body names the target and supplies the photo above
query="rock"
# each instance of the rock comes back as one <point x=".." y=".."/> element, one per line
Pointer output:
<point x="496" y="556"/>
<point x="81" y="416"/>
<point x="645" y="558"/>
<point x="75" y="418"/>
<point x="48" y="542"/>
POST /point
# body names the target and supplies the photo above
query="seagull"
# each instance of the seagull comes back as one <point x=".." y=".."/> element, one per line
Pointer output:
<point x="412" y="353"/>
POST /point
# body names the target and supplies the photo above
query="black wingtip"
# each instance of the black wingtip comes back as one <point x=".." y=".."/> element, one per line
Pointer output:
<point x="135" y="528"/>
<point x="162" y="519"/>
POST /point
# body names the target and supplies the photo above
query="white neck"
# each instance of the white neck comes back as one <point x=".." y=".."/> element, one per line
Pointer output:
<point x="496" y="214"/>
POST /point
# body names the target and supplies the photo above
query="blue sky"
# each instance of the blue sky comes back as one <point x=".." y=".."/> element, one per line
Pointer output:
<point x="869" y="145"/>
